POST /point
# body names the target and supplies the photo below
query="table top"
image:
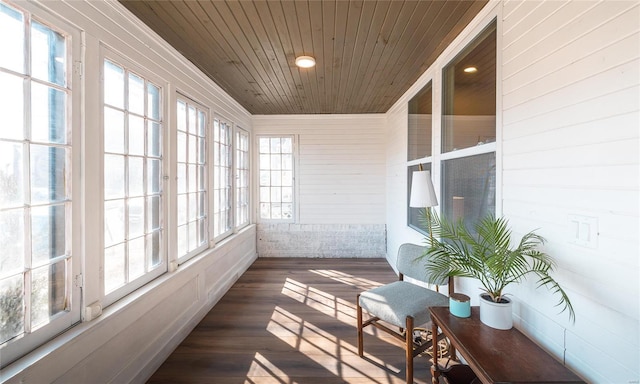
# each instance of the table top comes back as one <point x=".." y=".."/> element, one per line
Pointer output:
<point x="499" y="356"/>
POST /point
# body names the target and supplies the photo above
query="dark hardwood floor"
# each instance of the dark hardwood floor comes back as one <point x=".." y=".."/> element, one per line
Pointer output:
<point x="292" y="321"/>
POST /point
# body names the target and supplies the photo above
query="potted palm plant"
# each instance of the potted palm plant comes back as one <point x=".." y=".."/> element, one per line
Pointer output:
<point x="486" y="254"/>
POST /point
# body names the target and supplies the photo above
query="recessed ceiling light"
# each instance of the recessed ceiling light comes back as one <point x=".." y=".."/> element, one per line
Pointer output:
<point x="470" y="70"/>
<point x="305" y="61"/>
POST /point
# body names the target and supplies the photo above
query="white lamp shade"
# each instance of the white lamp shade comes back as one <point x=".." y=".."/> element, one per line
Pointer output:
<point x="422" y="193"/>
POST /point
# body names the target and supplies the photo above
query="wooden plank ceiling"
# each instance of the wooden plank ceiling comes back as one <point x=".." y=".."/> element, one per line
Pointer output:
<point x="368" y="52"/>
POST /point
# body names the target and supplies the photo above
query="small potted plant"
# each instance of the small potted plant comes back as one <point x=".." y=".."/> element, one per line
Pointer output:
<point x="486" y="255"/>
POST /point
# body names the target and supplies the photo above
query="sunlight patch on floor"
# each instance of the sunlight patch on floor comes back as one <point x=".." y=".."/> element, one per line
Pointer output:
<point x="347" y="279"/>
<point x="320" y="346"/>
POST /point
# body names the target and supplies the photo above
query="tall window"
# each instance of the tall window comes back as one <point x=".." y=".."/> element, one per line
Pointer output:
<point x="242" y="178"/>
<point x="132" y="177"/>
<point x="222" y="182"/>
<point x="419" y="145"/>
<point x="276" y="177"/>
<point x="35" y="184"/>
<point x="469" y="131"/>
<point x="192" y="192"/>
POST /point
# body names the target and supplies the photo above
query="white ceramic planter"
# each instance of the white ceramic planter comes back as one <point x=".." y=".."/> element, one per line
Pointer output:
<point x="496" y="315"/>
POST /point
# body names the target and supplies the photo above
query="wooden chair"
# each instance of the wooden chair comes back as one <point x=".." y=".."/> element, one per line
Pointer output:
<point x="402" y="304"/>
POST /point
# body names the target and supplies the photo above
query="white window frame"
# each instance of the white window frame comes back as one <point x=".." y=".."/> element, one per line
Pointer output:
<point x="107" y="53"/>
<point x="215" y="208"/>
<point x="239" y="168"/>
<point x="21" y="345"/>
<point x="207" y="136"/>
<point x="438" y="156"/>
<point x="294" y="197"/>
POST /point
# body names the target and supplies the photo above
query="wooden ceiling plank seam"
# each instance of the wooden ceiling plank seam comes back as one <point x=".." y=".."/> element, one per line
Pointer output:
<point x="263" y="97"/>
<point x="216" y="55"/>
<point x="302" y="76"/>
<point x="277" y="31"/>
<point x="369" y="46"/>
<point x="168" y="33"/>
<point x="340" y="27"/>
<point x="315" y="16"/>
<point x="262" y="51"/>
<point x="224" y="84"/>
<point x="408" y="20"/>
<point x="287" y="41"/>
<point x="353" y="21"/>
<point x="391" y="38"/>
<point x="422" y="30"/>
<point x="367" y="12"/>
<point x="441" y="37"/>
<point x="306" y="39"/>
<point x="388" y="25"/>
<point x="248" y="56"/>
<point x="328" y="28"/>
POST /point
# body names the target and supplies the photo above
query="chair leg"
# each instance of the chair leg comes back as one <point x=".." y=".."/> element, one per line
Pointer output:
<point x="409" y="349"/>
<point x="359" y="320"/>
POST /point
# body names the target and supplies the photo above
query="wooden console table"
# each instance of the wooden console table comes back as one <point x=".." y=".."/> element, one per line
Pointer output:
<point x="496" y="356"/>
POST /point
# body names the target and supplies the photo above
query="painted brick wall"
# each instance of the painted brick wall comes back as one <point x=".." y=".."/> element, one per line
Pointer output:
<point x="321" y="240"/>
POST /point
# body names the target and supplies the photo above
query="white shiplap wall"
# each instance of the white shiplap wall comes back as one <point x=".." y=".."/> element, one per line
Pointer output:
<point x="569" y="143"/>
<point x="340" y="169"/>
<point x="571" y="128"/>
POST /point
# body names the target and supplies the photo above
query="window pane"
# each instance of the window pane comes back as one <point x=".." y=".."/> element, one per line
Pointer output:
<point x="192" y="121"/>
<point x="12" y="44"/>
<point x="136" y="257"/>
<point x="136" y="94"/>
<point x="183" y="240"/>
<point x="153" y="176"/>
<point x="420" y="113"/>
<point x="153" y="213"/>
<point x="113" y="85"/>
<point x="182" y="209"/>
<point x="192" y="178"/>
<point x="469" y="89"/>
<point x="114" y="263"/>
<point x="12" y="241"/>
<point x="136" y="135"/>
<point x="287" y="145"/>
<point x="202" y="124"/>
<point x="12" y="308"/>
<point x="182" y="178"/>
<point x="11" y="175"/>
<point x="48" y="170"/>
<point x="181" y="116"/>
<point x="113" y="130"/>
<point x="113" y="176"/>
<point x="48" y="114"/>
<point x="48" y="229"/>
<point x="192" y="149"/>
<point x="153" y="102"/>
<point x="154" y="139"/>
<point x="182" y="147"/>
<point x="11" y="104"/>
<point x="48" y="54"/>
<point x="114" y="222"/>
<point x="469" y="188"/>
<point x="48" y="292"/>
<point x="153" y="249"/>
<point x="136" y="176"/>
<point x="136" y="217"/>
